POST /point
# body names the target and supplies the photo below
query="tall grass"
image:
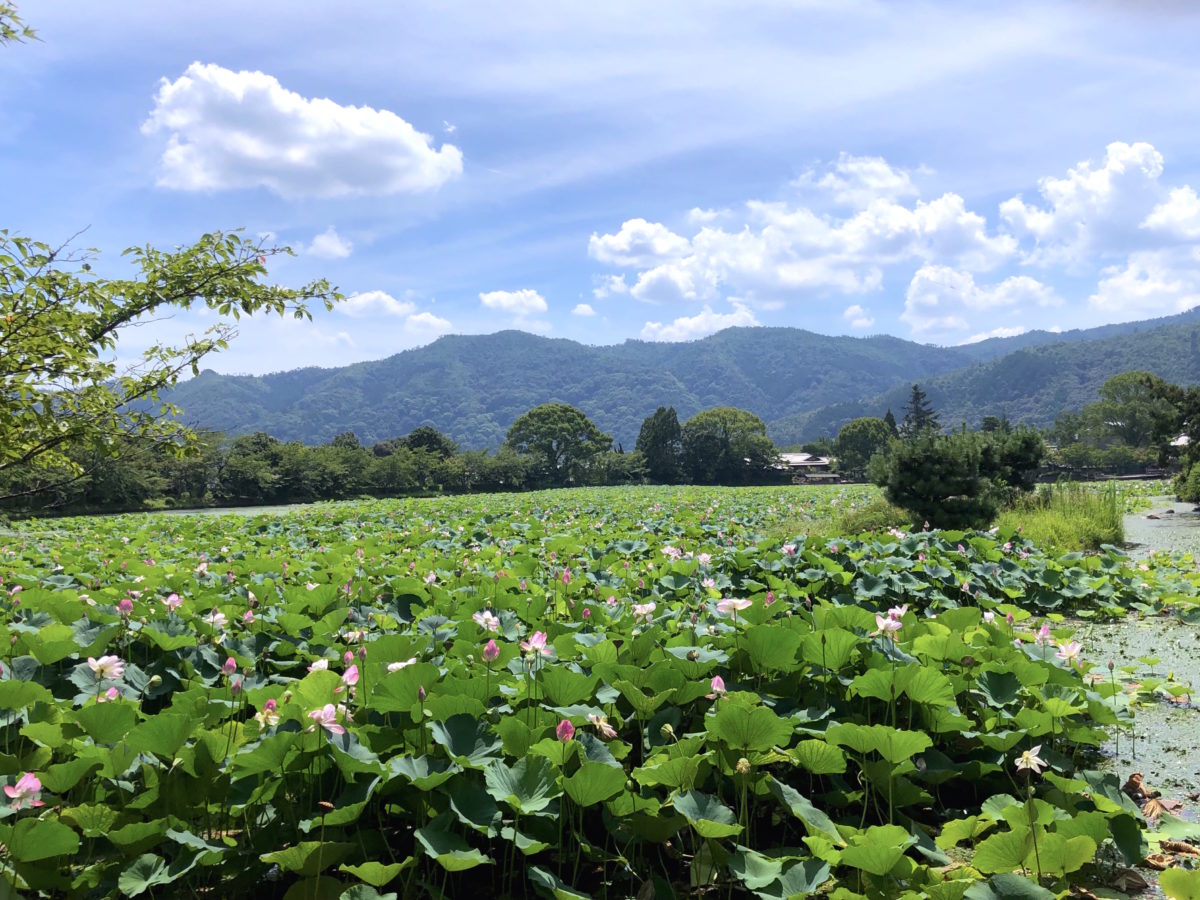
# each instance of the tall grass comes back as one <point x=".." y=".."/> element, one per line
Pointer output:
<point x="1069" y="516"/>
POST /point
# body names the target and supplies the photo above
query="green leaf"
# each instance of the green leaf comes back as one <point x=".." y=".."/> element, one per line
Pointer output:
<point x="94" y="820"/>
<point x="106" y="723"/>
<point x="451" y="851"/>
<point x="527" y="787"/>
<point x="753" y="869"/>
<point x="309" y="858"/>
<point x="818" y="757"/>
<point x="708" y="815"/>
<point x="145" y="872"/>
<point x="376" y="874"/>
<point x="752" y="728"/>
<point x="878" y="849"/>
<point x="162" y="734"/>
<point x="550" y="885"/>
<point x="594" y="783"/>
<point x="800" y="880"/>
<point x="1003" y="852"/>
<point x="814" y="819"/>
<point x="772" y="648"/>
<point x="1008" y="887"/>
<point x="35" y="839"/>
<point x="470" y="743"/>
<point x="1180" y="884"/>
<point x="893" y="744"/>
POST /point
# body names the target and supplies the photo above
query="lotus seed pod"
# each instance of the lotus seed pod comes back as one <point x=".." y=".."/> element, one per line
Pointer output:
<point x="743" y="766"/>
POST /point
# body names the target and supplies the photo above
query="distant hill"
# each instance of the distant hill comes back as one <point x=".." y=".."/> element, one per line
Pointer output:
<point x="801" y="383"/>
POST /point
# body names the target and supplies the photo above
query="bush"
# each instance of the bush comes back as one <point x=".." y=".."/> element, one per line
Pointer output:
<point x="879" y="515"/>
<point x="1068" y="517"/>
<point x="1187" y="485"/>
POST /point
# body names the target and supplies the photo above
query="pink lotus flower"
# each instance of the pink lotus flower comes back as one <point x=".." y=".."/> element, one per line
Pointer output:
<point x="230" y="666"/>
<point x="431" y="578"/>
<point x="108" y="696"/>
<point x="216" y="618"/>
<point x="718" y="688"/>
<point x="731" y="606"/>
<point x="887" y="626"/>
<point x="326" y="717"/>
<point x="125" y="607"/>
<point x="173" y="602"/>
<point x="486" y="620"/>
<point x="319" y="665"/>
<point x="350" y="678"/>
<point x="644" y="610"/>
<point x="28" y="789"/>
<point x="1069" y="652"/>
<point x="1043" y="636"/>
<point x="566" y="577"/>
<point x="491" y="652"/>
<point x="897" y="612"/>
<point x="989" y="617"/>
<point x="537" y="644"/>
<point x="347" y="657"/>
<point x="565" y="731"/>
<point x="606" y="731"/>
<point x="107" y="667"/>
<point x="268" y="717"/>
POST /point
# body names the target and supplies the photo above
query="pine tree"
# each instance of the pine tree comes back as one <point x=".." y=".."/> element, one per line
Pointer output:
<point x="919" y="415"/>
<point x="891" y="423"/>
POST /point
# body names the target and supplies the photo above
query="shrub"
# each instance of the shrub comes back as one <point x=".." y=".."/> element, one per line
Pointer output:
<point x="1069" y="517"/>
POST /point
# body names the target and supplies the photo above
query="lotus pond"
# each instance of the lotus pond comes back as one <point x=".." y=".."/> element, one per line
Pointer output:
<point x="608" y="693"/>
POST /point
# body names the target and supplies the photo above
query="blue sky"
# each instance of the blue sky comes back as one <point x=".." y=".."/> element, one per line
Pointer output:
<point x="938" y="171"/>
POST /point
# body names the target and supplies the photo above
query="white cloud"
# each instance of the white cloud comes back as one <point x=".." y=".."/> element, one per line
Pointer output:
<point x="330" y="245"/>
<point x="857" y="180"/>
<point x="639" y="243"/>
<point x="448" y="127"/>
<point x="1095" y="209"/>
<point x="1178" y="215"/>
<point x="230" y="130"/>
<point x="427" y="323"/>
<point x="520" y="303"/>
<point x="939" y="299"/>
<point x="1001" y="332"/>
<point x="688" y="328"/>
<point x="857" y="316"/>
<point x="374" y="303"/>
<point x="1149" y="283"/>
<point x="583" y="309"/>
<point x="698" y="216"/>
<point x="610" y="284"/>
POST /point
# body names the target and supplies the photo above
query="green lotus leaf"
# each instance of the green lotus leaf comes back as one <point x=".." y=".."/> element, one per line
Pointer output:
<point x="528" y="787"/>
<point x="451" y="851"/>
<point x="594" y="783"/>
<point x="32" y="840"/>
<point x="708" y="815"/>
<point x="376" y="874"/>
<point x="748" y="728"/>
<point x="1180" y="884"/>
<point x="878" y="849"/>
<point x="309" y="858"/>
<point x="818" y="757"/>
<point x="469" y="742"/>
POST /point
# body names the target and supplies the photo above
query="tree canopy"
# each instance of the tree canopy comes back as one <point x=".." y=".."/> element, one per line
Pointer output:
<point x="726" y="445"/>
<point x="919" y="414"/>
<point x="562" y="441"/>
<point x="660" y="441"/>
<point x="60" y="333"/>
<point x="858" y="441"/>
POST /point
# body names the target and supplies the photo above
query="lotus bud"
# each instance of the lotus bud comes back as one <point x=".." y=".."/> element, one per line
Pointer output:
<point x="287" y="696"/>
<point x="667" y="731"/>
<point x="155" y="681"/>
<point x="565" y="731"/>
<point x="421" y="695"/>
<point x="235" y="686"/>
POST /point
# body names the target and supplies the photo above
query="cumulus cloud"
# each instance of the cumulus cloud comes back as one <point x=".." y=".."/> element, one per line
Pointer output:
<point x="375" y="303"/>
<point x="938" y="299"/>
<point x="330" y="245"/>
<point x="1094" y="209"/>
<point x="230" y="130"/>
<point x="520" y="303"/>
<point x="1001" y="332"/>
<point x="427" y="323"/>
<point x="688" y="328"/>
<point x="858" y="180"/>
<point x="608" y="285"/>
<point x="639" y="243"/>
<point x="1149" y="283"/>
<point x="1178" y="215"/>
<point x="583" y="309"/>
<point x="857" y="316"/>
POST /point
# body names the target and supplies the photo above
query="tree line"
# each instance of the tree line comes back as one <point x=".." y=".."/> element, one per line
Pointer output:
<point x="551" y="445"/>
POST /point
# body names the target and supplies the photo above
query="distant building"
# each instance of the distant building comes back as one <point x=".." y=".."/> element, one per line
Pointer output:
<point x="806" y="466"/>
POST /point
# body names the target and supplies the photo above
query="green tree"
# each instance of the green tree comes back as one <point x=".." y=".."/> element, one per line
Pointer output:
<point x="1133" y="409"/>
<point x="891" y="423"/>
<point x="660" y="441"/>
<point x="60" y="329"/>
<point x="726" y="445"/>
<point x="561" y="440"/>
<point x="12" y="29"/>
<point x="919" y="415"/>
<point x="858" y="441"/>
<point x="426" y="437"/>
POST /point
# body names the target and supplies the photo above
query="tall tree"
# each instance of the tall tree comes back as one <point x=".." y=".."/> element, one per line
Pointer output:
<point x="918" y="414"/>
<point x="561" y="439"/>
<point x="890" y="420"/>
<point x="661" y="443"/>
<point x="858" y="441"/>
<point x="426" y="437"/>
<point x="726" y="445"/>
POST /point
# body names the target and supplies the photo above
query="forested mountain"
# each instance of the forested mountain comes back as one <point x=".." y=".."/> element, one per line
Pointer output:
<point x="802" y="384"/>
<point x="1031" y="385"/>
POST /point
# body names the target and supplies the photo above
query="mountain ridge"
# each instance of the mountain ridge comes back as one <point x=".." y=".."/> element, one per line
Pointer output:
<point x="801" y="383"/>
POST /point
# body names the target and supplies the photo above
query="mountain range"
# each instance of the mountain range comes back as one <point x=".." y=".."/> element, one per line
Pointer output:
<point x="802" y="384"/>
